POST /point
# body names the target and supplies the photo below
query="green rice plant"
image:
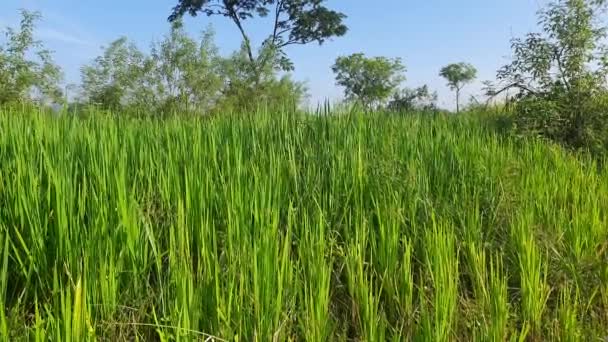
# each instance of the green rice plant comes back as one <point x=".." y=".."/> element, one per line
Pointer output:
<point x="568" y="328"/>
<point x="533" y="271"/>
<point x="316" y="257"/>
<point x="367" y="314"/>
<point x="40" y="330"/>
<point x="3" y="283"/>
<point x="603" y="288"/>
<point x="499" y="307"/>
<point x="289" y="226"/>
<point x="439" y="314"/>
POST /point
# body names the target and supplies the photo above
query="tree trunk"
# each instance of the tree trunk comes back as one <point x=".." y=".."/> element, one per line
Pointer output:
<point x="247" y="41"/>
<point x="457" y="101"/>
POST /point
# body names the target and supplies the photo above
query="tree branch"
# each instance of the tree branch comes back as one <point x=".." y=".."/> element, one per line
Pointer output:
<point x="235" y="18"/>
<point x="292" y="42"/>
<point x="278" y="11"/>
<point x="512" y="85"/>
<point x="558" y="58"/>
<point x="280" y="33"/>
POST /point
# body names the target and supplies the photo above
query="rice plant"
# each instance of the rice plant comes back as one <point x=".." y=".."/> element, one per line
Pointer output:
<point x="288" y="226"/>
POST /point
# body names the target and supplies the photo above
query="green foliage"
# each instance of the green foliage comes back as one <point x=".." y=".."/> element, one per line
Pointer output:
<point x="273" y="94"/>
<point x="179" y="75"/>
<point x="113" y="80"/>
<point x="284" y="226"/>
<point x="577" y="125"/>
<point x="183" y="76"/>
<point x="368" y="80"/>
<point x="458" y="75"/>
<point x="569" y="55"/>
<point x="247" y="89"/>
<point x="27" y="70"/>
<point x="294" y="22"/>
<point x="187" y="75"/>
<point x="561" y="74"/>
<point x="417" y="99"/>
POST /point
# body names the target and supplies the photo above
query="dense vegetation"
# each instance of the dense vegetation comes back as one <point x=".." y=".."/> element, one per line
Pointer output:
<point x="178" y="195"/>
<point x="561" y="74"/>
<point x="288" y="226"/>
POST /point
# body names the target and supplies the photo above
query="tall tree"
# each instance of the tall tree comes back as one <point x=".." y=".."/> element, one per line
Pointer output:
<point x="295" y="22"/>
<point x="458" y="75"/>
<point x="111" y="80"/>
<point x="568" y="54"/>
<point x="369" y="80"/>
<point x="187" y="75"/>
<point x="561" y="75"/>
<point x="27" y="70"/>
<point x="238" y="94"/>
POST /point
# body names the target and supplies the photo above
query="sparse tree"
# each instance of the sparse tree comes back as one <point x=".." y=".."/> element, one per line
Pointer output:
<point x="458" y="75"/>
<point x="294" y="22"/>
<point x="369" y="80"/>
<point x="27" y="70"/>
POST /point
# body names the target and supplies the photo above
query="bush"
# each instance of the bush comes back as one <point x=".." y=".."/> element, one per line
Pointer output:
<point x="580" y="124"/>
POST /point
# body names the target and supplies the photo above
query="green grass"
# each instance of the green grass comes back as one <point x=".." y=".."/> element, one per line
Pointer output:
<point x="279" y="226"/>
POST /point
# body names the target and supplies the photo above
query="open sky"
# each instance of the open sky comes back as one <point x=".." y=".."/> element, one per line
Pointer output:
<point x="426" y="34"/>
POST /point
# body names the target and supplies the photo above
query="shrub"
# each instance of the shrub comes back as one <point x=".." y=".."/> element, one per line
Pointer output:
<point x="580" y="124"/>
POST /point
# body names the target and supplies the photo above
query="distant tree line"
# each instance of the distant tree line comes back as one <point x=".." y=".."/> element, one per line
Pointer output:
<point x="182" y="75"/>
<point x="558" y="75"/>
<point x="179" y="74"/>
<point x="375" y="82"/>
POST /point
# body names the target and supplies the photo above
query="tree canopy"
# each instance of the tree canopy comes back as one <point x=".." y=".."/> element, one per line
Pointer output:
<point x="416" y="99"/>
<point x="182" y="75"/>
<point x="27" y="69"/>
<point x="561" y="75"/>
<point x="569" y="52"/>
<point x="369" y="80"/>
<point x="294" y="22"/>
<point x="111" y="80"/>
<point x="458" y="75"/>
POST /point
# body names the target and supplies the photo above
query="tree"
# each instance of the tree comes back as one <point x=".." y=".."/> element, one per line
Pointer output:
<point x="562" y="55"/>
<point x="295" y="22"/>
<point x="178" y="75"/>
<point x="561" y="76"/>
<point x="407" y="100"/>
<point x="368" y="80"/>
<point x="458" y="75"/>
<point x="27" y="70"/>
<point x="241" y="95"/>
<point x="111" y="80"/>
<point x="186" y="74"/>
<point x="182" y="75"/>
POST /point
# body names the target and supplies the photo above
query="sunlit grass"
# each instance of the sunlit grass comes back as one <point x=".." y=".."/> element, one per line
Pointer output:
<point x="282" y="226"/>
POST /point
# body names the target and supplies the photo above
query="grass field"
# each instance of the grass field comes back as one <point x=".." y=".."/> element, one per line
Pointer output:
<point x="276" y="227"/>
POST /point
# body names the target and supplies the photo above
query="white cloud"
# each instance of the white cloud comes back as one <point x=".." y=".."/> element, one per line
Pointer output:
<point x="53" y="27"/>
<point x="63" y="37"/>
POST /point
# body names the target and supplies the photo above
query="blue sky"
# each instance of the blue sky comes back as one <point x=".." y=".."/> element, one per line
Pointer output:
<point x="426" y="34"/>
